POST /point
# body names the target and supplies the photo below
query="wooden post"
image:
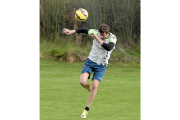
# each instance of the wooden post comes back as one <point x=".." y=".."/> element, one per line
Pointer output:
<point x="75" y="27"/>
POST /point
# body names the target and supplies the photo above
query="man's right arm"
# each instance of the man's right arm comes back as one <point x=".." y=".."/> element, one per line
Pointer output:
<point x="67" y="31"/>
<point x="82" y="30"/>
<point x="78" y="30"/>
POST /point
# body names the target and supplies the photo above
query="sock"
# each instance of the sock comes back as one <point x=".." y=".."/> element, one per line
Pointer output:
<point x="87" y="108"/>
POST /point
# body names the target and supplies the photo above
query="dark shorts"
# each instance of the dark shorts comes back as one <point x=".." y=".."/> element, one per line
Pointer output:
<point x="90" y="66"/>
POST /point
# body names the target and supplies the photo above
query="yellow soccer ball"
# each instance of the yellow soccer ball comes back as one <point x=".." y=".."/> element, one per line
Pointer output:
<point x="81" y="14"/>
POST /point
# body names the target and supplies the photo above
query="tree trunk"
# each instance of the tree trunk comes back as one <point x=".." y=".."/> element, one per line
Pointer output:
<point x="75" y="27"/>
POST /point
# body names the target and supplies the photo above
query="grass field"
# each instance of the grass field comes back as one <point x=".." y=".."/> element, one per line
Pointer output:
<point x="63" y="98"/>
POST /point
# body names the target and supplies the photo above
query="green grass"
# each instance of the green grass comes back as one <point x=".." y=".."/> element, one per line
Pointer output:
<point x="62" y="47"/>
<point x="63" y="98"/>
<point x="135" y="51"/>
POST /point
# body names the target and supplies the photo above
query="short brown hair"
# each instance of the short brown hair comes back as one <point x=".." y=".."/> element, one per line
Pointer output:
<point x="103" y="28"/>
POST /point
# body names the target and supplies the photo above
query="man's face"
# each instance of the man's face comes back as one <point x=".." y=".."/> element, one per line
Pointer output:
<point x="104" y="35"/>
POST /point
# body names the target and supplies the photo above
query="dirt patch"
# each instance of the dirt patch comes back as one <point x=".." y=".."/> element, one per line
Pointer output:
<point x="125" y="59"/>
<point x="41" y="55"/>
<point x="72" y="58"/>
<point x="79" y="58"/>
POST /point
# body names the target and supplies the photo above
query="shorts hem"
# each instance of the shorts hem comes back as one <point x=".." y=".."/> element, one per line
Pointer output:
<point x="88" y="72"/>
<point x="85" y="71"/>
<point x="97" y="80"/>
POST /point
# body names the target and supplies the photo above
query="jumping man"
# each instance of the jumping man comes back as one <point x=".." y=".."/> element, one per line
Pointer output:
<point x="103" y="45"/>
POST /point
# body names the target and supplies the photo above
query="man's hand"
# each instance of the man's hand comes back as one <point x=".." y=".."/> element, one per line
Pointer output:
<point x="67" y="31"/>
<point x="97" y="38"/>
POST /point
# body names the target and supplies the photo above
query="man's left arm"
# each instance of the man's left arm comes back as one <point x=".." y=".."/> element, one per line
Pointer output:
<point x="108" y="46"/>
<point x="111" y="44"/>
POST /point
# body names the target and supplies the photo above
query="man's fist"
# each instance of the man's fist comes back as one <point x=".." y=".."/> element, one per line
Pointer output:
<point x="67" y="31"/>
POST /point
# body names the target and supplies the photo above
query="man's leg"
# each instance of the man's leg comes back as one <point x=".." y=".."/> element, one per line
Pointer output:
<point x="93" y="92"/>
<point x="83" y="81"/>
<point x="91" y="98"/>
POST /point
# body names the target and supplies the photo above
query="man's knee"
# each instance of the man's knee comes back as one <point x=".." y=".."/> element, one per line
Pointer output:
<point x="95" y="85"/>
<point x="82" y="82"/>
<point x="83" y="78"/>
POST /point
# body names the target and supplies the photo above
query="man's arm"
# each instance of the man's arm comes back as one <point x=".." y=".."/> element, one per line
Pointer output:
<point x="106" y="46"/>
<point x="67" y="31"/>
<point x="78" y="30"/>
<point x="82" y="30"/>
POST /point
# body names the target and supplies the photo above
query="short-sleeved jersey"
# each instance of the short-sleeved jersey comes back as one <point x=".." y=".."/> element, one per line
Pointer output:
<point x="98" y="54"/>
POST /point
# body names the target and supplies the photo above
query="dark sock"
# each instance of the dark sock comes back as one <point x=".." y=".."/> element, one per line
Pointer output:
<point x="87" y="108"/>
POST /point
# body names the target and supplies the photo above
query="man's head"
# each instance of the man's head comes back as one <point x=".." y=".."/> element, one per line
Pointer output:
<point x="104" y="31"/>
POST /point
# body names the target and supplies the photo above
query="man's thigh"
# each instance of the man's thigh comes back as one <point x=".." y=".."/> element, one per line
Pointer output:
<point x="84" y="76"/>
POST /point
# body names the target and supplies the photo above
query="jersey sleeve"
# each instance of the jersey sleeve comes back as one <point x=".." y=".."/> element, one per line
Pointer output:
<point x="108" y="46"/>
<point x="82" y="30"/>
<point x="92" y="31"/>
<point x="113" y="39"/>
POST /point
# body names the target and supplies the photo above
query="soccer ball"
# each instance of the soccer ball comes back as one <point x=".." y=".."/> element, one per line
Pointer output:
<point x="81" y="14"/>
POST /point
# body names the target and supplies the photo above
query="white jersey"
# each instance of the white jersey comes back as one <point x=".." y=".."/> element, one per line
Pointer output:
<point x="98" y="54"/>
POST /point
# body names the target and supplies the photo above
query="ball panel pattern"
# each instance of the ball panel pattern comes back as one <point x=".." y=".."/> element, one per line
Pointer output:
<point x="81" y="14"/>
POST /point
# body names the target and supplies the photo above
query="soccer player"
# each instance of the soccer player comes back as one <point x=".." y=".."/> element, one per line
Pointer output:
<point x="103" y="45"/>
